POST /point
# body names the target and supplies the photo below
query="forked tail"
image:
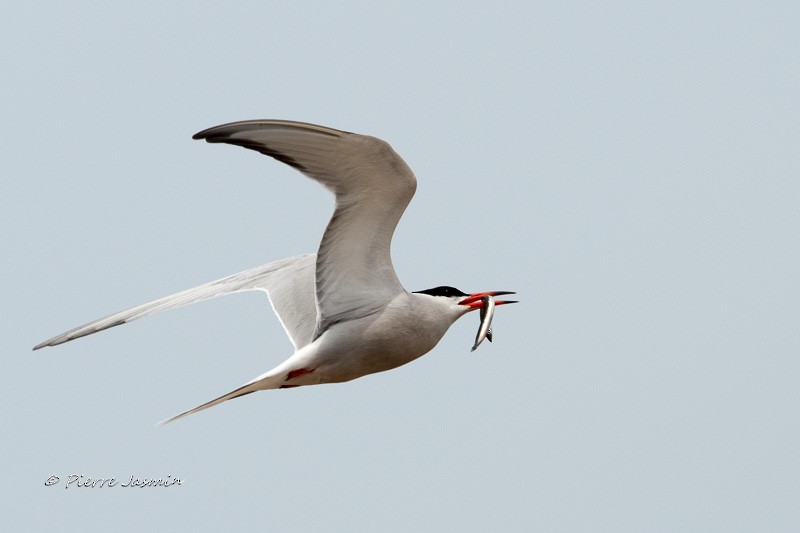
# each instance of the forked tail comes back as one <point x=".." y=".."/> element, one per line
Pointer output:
<point x="271" y="380"/>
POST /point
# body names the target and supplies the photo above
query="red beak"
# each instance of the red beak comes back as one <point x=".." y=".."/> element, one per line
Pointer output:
<point x="474" y="301"/>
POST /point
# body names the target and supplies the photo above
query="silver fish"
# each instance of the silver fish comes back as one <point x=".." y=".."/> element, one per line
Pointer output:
<point x="485" y="330"/>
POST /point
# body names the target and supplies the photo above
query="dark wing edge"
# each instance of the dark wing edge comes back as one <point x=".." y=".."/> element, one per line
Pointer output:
<point x="288" y="282"/>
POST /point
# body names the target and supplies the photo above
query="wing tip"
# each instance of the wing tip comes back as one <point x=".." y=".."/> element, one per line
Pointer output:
<point x="168" y="420"/>
<point x="209" y="134"/>
<point x="200" y="135"/>
<point x="55" y="341"/>
<point x="77" y="333"/>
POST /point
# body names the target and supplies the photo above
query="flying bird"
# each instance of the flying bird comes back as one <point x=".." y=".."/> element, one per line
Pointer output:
<point x="343" y="308"/>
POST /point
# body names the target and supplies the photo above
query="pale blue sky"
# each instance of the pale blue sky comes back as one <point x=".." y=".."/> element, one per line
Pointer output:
<point x="630" y="168"/>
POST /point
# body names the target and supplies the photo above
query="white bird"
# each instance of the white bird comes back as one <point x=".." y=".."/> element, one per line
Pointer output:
<point x="343" y="308"/>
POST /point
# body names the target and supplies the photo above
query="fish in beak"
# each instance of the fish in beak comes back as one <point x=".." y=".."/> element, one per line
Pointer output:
<point x="486" y="303"/>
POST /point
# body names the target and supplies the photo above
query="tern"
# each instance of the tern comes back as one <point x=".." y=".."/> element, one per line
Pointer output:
<point x="343" y="308"/>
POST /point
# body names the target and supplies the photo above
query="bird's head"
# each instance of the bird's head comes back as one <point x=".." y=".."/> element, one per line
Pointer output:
<point x="461" y="302"/>
<point x="446" y="304"/>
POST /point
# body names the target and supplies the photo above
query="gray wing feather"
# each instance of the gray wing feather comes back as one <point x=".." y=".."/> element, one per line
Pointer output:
<point x="288" y="282"/>
<point x="372" y="185"/>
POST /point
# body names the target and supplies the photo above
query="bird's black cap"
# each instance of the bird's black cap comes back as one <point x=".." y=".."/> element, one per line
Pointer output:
<point x="444" y="290"/>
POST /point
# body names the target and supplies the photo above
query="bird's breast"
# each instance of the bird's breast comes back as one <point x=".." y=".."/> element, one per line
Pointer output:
<point x="382" y="341"/>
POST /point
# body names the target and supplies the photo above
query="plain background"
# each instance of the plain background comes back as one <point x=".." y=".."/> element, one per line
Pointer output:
<point x="630" y="168"/>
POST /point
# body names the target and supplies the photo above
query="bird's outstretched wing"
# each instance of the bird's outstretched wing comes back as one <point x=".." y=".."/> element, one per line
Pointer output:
<point x="372" y="185"/>
<point x="288" y="282"/>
